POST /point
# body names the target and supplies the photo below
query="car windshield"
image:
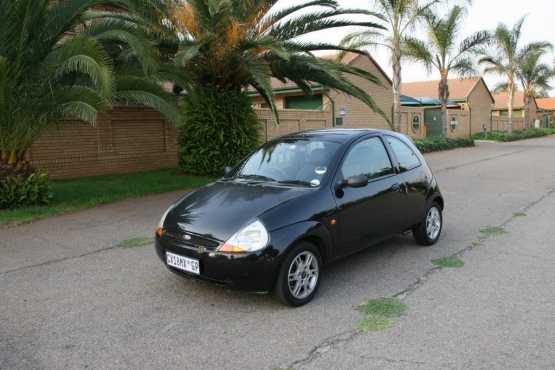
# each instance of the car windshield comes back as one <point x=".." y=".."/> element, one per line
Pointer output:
<point x="292" y="161"/>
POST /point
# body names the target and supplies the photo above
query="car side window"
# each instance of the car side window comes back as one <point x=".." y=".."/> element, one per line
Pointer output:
<point x="369" y="158"/>
<point x="406" y="157"/>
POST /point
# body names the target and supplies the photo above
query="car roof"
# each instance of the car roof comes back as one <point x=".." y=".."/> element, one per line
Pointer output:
<point x="335" y="134"/>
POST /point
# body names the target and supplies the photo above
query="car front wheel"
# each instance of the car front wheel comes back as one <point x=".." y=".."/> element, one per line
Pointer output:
<point x="299" y="276"/>
<point x="428" y="231"/>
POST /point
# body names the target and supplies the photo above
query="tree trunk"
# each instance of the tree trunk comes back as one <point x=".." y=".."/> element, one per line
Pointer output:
<point x="396" y="80"/>
<point x="510" y="101"/>
<point x="444" y="98"/>
<point x="12" y="159"/>
<point x="527" y="101"/>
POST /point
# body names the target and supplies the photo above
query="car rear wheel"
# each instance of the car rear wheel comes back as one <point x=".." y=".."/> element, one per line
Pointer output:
<point x="428" y="231"/>
<point x="299" y="276"/>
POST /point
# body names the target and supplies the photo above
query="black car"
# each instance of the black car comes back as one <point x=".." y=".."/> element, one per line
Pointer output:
<point x="297" y="203"/>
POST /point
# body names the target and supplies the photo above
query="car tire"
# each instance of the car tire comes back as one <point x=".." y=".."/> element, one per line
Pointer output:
<point x="429" y="230"/>
<point x="287" y="290"/>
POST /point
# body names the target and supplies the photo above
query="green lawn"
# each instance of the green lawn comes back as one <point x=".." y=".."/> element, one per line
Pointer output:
<point x="87" y="192"/>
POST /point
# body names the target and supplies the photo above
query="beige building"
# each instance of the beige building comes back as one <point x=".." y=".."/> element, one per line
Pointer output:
<point x="500" y="114"/>
<point x="546" y="112"/>
<point x="470" y="105"/>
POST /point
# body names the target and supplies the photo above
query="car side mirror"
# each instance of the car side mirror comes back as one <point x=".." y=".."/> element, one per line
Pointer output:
<point x="358" y="181"/>
<point x="227" y="171"/>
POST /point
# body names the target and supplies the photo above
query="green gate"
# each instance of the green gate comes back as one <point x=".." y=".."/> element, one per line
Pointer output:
<point x="432" y="119"/>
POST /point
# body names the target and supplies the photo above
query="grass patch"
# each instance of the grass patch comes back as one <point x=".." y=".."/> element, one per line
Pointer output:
<point x="379" y="314"/>
<point x="136" y="242"/>
<point x="448" y="262"/>
<point x="490" y="231"/>
<point x="519" y="214"/>
<point x="87" y="192"/>
<point x="515" y="135"/>
<point x="440" y="143"/>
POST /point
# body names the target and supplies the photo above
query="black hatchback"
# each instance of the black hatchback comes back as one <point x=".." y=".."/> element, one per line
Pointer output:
<point x="297" y="203"/>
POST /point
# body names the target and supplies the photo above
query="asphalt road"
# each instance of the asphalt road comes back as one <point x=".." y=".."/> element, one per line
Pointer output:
<point x="70" y="298"/>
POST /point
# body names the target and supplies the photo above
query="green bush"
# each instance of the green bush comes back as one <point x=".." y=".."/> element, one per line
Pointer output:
<point x="219" y="129"/>
<point x="440" y="143"/>
<point x="515" y="135"/>
<point x="22" y="186"/>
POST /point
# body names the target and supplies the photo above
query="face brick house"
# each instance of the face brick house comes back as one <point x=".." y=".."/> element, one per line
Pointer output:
<point x="500" y="114"/>
<point x="546" y="108"/>
<point x="469" y="99"/>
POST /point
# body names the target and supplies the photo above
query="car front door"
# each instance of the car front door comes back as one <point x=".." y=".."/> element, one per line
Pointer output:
<point x="413" y="179"/>
<point x="370" y="213"/>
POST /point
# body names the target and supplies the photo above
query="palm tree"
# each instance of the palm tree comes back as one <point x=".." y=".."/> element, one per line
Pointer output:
<point x="506" y="59"/>
<point x="227" y="47"/>
<point x="401" y="17"/>
<point x="441" y="51"/>
<point x="534" y="77"/>
<point x="61" y="59"/>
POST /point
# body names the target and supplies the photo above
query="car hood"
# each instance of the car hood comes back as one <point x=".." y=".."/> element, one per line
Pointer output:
<point x="219" y="210"/>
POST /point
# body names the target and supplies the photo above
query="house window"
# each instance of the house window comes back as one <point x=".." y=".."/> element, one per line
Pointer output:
<point x="312" y="102"/>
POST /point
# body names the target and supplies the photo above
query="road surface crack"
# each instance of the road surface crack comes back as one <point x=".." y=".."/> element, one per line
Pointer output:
<point x="344" y="338"/>
<point x="480" y="161"/>
<point x="51" y="262"/>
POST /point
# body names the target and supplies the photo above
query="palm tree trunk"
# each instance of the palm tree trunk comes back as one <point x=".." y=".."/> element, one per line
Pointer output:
<point x="444" y="98"/>
<point x="527" y="101"/>
<point x="396" y="81"/>
<point x="12" y="159"/>
<point x="510" y="102"/>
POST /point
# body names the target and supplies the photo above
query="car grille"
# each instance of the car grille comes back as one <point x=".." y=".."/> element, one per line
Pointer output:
<point x="193" y="240"/>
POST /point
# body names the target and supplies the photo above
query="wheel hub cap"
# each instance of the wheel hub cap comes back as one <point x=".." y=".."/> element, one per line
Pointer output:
<point x="303" y="275"/>
<point x="433" y="223"/>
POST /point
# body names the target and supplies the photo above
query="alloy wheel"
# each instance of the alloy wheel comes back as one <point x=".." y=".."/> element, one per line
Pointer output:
<point x="303" y="275"/>
<point x="433" y="223"/>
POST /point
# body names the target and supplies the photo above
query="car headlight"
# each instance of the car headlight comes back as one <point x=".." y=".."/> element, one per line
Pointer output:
<point x="251" y="238"/>
<point x="160" y="228"/>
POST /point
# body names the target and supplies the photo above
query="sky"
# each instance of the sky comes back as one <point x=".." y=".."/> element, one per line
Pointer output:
<point x="482" y="14"/>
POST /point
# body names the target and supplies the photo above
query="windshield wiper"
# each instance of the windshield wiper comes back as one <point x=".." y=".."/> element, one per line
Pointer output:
<point x="295" y="182"/>
<point x="256" y="177"/>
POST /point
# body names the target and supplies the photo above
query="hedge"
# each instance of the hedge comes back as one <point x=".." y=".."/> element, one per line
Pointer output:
<point x="22" y="186"/>
<point x="219" y="129"/>
<point x="515" y="135"/>
<point x="440" y="143"/>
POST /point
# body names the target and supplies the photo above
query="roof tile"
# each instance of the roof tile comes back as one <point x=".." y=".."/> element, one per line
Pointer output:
<point x="459" y="88"/>
<point x="546" y="103"/>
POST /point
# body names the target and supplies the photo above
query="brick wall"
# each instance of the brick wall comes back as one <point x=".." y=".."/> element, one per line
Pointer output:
<point x="462" y="130"/>
<point x="480" y="104"/>
<point x="359" y="115"/>
<point x="127" y="139"/>
<point x="131" y="139"/>
<point x="407" y="114"/>
<point x="500" y="123"/>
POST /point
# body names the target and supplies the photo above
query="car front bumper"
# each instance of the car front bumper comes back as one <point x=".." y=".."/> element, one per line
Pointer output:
<point x="255" y="272"/>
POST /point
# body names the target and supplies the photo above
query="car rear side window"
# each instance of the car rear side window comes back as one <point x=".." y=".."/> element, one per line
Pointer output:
<point x="406" y="157"/>
<point x="369" y="158"/>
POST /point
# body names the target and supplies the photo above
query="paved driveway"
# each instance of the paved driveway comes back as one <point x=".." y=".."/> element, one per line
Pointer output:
<point x="69" y="298"/>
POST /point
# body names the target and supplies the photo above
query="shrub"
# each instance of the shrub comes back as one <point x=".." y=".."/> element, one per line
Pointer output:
<point x="515" y="135"/>
<point x="219" y="129"/>
<point x="440" y="143"/>
<point x="22" y="186"/>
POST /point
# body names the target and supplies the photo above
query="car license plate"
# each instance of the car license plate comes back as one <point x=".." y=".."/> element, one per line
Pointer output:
<point x="183" y="263"/>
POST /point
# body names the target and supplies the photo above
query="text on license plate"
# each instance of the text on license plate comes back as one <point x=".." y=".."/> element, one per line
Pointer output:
<point x="183" y="263"/>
